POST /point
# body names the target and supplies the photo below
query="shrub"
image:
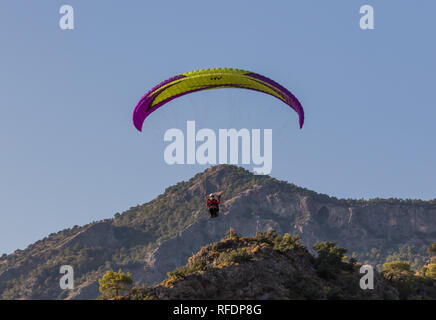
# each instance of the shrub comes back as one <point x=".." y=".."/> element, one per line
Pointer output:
<point x="234" y="256"/>
<point x="183" y="272"/>
<point x="287" y="243"/>
<point x="432" y="248"/>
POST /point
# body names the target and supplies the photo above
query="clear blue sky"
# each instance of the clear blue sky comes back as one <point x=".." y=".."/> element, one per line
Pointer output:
<point x="69" y="153"/>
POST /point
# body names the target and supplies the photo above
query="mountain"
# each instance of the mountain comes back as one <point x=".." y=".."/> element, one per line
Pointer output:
<point x="152" y="239"/>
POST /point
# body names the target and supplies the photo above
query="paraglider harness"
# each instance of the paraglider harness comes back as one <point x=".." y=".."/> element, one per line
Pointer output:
<point x="214" y="206"/>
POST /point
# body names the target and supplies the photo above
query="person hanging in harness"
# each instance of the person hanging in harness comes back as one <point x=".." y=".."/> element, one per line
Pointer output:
<point x="214" y="205"/>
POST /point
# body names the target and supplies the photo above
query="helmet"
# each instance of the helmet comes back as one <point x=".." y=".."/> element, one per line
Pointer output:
<point x="211" y="195"/>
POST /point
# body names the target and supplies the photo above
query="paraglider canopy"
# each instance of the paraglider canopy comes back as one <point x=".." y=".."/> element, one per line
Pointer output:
<point x="206" y="79"/>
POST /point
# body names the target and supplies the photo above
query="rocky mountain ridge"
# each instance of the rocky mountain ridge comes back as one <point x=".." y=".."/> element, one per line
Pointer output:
<point x="155" y="238"/>
<point x="266" y="266"/>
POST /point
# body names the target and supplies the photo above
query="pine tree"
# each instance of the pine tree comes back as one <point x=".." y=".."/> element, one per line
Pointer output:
<point x="112" y="283"/>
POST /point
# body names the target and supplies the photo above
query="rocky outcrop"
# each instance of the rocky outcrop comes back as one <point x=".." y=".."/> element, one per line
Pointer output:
<point x="246" y="268"/>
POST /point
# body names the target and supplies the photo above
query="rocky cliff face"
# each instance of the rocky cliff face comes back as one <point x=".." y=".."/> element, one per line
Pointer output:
<point x="359" y="227"/>
<point x="153" y="239"/>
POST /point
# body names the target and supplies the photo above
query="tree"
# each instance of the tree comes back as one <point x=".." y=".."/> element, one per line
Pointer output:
<point x="329" y="263"/>
<point x="431" y="271"/>
<point x="397" y="269"/>
<point x="402" y="277"/>
<point x="432" y="248"/>
<point x="112" y="283"/>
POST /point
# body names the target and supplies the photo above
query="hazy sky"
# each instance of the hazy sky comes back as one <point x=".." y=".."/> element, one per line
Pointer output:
<point x="69" y="153"/>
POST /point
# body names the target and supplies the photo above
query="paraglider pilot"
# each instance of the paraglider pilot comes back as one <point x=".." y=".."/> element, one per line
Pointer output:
<point x="214" y="205"/>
